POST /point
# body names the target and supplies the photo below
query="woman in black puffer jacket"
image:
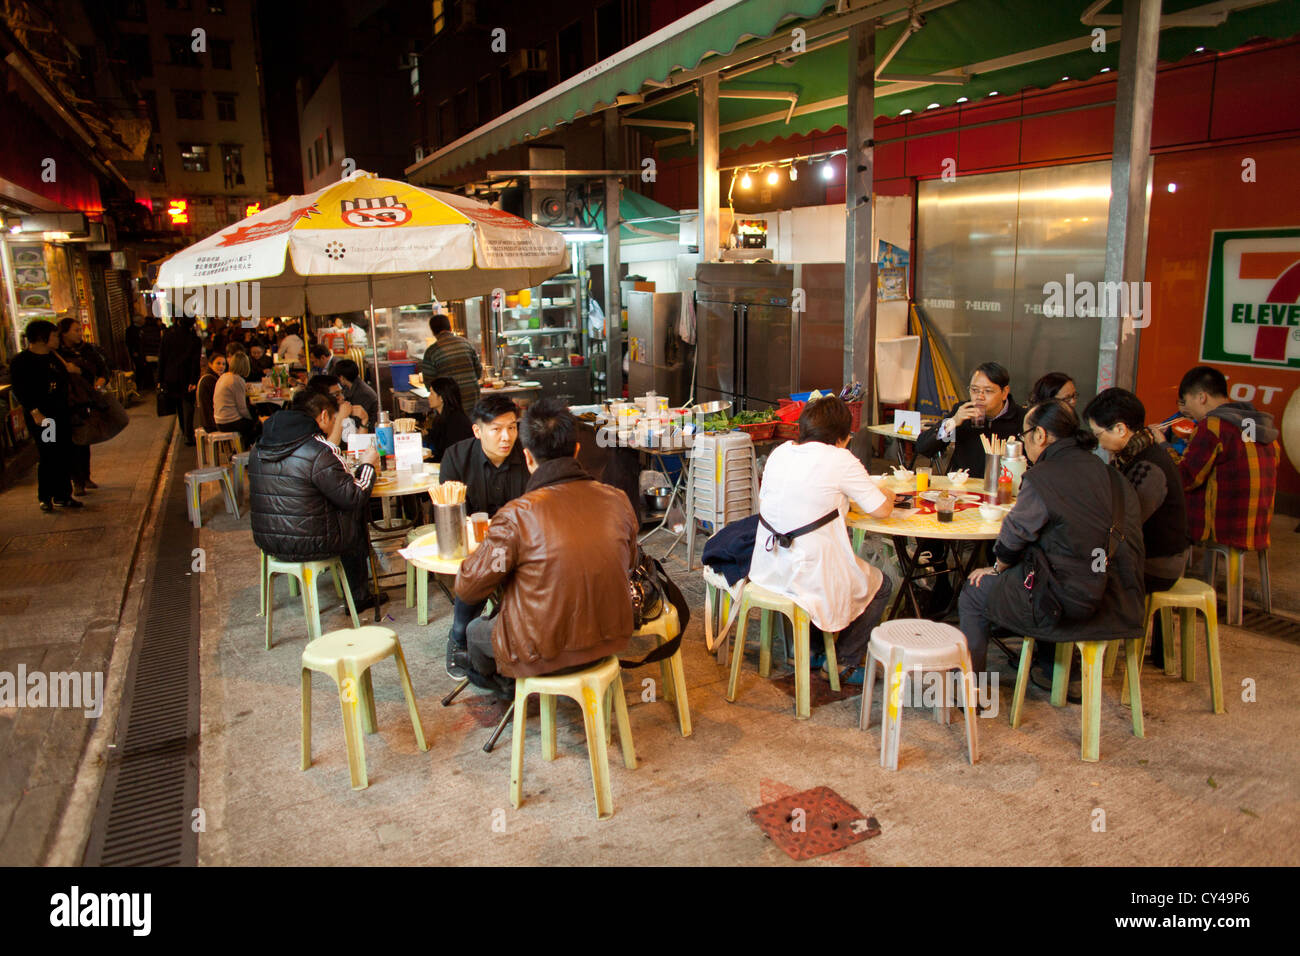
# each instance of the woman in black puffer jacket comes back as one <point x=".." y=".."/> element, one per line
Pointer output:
<point x="306" y="505"/>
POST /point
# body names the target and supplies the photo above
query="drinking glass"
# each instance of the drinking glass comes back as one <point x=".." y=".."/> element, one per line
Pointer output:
<point x="943" y="507"/>
<point x="923" y="478"/>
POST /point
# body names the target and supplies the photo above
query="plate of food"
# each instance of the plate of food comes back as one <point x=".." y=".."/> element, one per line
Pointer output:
<point x="934" y="496"/>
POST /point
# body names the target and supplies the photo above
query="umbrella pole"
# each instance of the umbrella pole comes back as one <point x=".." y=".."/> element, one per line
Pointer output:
<point x="374" y="340"/>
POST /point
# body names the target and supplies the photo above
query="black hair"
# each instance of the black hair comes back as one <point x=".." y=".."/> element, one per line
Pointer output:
<point x="827" y="420"/>
<point x="317" y="350"/>
<point x="313" y="403"/>
<point x="491" y="407"/>
<point x="1059" y="421"/>
<point x="322" y="383"/>
<point x="548" y="430"/>
<point x="1045" y="388"/>
<point x="1116" y="405"/>
<point x="232" y="347"/>
<point x="449" y="391"/>
<point x="65" y="323"/>
<point x="347" y="368"/>
<point x="439" y="323"/>
<point x="38" y="330"/>
<point x="994" y="372"/>
<point x="1203" y="379"/>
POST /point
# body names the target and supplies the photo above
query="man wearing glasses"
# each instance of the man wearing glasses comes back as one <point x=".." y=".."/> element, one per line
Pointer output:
<point x="990" y="412"/>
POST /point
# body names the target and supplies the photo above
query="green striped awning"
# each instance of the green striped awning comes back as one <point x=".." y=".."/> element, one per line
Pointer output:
<point x="1002" y="46"/>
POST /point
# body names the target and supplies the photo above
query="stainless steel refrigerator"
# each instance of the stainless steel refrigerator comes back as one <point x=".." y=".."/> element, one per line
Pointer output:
<point x="657" y="358"/>
<point x="767" y="330"/>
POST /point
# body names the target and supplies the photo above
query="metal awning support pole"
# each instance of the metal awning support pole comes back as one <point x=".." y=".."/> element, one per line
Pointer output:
<point x="374" y="339"/>
<point x="706" y="231"/>
<point x="1130" y="173"/>
<point x="859" y="257"/>
<point x="613" y="305"/>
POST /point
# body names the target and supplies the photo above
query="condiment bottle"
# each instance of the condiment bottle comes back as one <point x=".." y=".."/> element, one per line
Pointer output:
<point x="1004" y="489"/>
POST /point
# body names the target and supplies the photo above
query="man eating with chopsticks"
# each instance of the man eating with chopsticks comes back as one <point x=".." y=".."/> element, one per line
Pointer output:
<point x="491" y="466"/>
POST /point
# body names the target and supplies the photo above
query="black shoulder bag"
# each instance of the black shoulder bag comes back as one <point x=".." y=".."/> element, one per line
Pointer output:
<point x="650" y="585"/>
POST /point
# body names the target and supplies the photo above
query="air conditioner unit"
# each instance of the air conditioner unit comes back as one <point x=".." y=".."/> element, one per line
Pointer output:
<point x="527" y="61"/>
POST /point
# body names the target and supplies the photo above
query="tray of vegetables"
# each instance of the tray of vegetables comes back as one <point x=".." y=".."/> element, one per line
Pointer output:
<point x="760" y="425"/>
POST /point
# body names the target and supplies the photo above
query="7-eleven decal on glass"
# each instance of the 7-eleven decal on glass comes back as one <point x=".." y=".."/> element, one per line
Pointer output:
<point x="1252" y="298"/>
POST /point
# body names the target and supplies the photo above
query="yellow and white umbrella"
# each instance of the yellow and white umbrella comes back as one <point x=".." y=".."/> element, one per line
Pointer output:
<point x="365" y="242"/>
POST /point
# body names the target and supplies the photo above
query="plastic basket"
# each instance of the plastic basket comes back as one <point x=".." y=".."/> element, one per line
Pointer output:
<point x="761" y="431"/>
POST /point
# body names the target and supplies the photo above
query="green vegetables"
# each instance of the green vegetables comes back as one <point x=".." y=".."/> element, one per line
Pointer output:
<point x="754" y="418"/>
<point x="715" y="423"/>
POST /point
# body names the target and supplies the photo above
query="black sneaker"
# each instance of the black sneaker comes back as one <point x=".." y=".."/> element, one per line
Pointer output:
<point x="68" y="503"/>
<point x="368" y="602"/>
<point x="47" y="505"/>
<point x="457" y="660"/>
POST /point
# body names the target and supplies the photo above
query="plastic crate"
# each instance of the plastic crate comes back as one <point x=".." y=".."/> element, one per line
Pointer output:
<point x="761" y="431"/>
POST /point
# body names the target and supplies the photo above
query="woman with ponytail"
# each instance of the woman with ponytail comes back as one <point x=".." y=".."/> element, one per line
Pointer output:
<point x="1076" y="523"/>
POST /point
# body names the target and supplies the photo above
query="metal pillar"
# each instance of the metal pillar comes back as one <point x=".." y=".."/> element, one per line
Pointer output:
<point x="613" y="303"/>
<point x="709" y="192"/>
<point x="859" y="257"/>
<point x="1130" y="173"/>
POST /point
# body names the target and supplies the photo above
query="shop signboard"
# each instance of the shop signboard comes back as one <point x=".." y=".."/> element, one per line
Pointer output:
<point x="1252" y="298"/>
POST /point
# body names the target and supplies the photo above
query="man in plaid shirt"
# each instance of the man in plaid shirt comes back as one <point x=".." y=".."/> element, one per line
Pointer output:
<point x="452" y="356"/>
<point x="1229" y="468"/>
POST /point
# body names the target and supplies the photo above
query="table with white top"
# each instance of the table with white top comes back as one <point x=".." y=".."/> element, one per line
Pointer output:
<point x="920" y="525"/>
<point x="887" y="431"/>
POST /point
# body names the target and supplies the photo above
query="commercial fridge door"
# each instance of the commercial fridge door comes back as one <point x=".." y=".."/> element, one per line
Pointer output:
<point x="767" y="355"/>
<point x="716" y="372"/>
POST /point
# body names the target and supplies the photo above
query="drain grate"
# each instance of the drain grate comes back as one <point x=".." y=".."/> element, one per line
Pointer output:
<point x="151" y="785"/>
<point x="1267" y="624"/>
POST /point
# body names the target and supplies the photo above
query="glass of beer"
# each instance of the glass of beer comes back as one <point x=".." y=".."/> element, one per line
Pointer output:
<point x="923" y="479"/>
<point x="479" y="521"/>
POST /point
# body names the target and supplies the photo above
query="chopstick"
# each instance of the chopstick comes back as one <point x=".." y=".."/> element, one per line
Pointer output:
<point x="996" y="446"/>
<point x="448" y="493"/>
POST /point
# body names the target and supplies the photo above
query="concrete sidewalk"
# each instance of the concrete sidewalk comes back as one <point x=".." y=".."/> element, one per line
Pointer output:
<point x="63" y="580"/>
<point x="1199" y="789"/>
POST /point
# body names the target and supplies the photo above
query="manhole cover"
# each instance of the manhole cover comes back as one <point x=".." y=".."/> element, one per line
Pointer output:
<point x="54" y="540"/>
<point x="813" y="823"/>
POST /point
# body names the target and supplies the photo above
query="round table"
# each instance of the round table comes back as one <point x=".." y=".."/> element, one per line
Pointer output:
<point x="966" y="525"/>
<point x="425" y="556"/>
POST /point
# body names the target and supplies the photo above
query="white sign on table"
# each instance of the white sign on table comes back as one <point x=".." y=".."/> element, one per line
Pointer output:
<point x="907" y="423"/>
<point x="360" y="442"/>
<point x="408" y="449"/>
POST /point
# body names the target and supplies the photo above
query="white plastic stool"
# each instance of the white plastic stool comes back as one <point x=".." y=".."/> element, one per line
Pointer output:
<point x="222" y="438"/>
<point x="239" y="462"/>
<point x="1235" y="570"/>
<point x="194" y="482"/>
<point x="916" y="646"/>
<point x="201" y="446"/>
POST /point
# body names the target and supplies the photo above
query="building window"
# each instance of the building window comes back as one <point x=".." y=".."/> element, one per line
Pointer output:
<point x="135" y="50"/>
<point x="320" y="153"/>
<point x="189" y="104"/>
<point x="415" y="76"/>
<point x="232" y="166"/>
<point x="226" y="107"/>
<point x="194" y="157"/>
<point x="181" y="51"/>
<point x="483" y="93"/>
<point x="329" y="147"/>
<point x="176" y="4"/>
<point x="439" y="17"/>
<point x="131" y="9"/>
<point x="217" y="6"/>
<point x="220" y="54"/>
<point x="569" y="45"/>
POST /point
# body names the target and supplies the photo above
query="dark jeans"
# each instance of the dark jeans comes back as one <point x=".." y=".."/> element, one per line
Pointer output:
<point x="462" y="616"/>
<point x="54" y="466"/>
<point x="356" y="565"/>
<point x="184" y="402"/>
<point x="970" y="606"/>
<point x="851" y="645"/>
<point x="79" y="462"/>
<point x="249" y="429"/>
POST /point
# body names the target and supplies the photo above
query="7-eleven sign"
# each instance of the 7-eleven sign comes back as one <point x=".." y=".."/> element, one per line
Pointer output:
<point x="1252" y="298"/>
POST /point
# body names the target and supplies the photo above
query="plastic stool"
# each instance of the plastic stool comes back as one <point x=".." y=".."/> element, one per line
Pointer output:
<point x="917" y="646"/>
<point x="201" y="446"/>
<point x="294" y="587"/>
<point x="214" y="439"/>
<point x="239" y="462"/>
<point x="417" y="579"/>
<point x="1236" y="572"/>
<point x="306" y="573"/>
<point x="768" y="602"/>
<point x="1189" y="596"/>
<point x="347" y="657"/>
<point x="719" y="598"/>
<point x="665" y="627"/>
<point x="1092" y="653"/>
<point x="195" y="479"/>
<point x="591" y="688"/>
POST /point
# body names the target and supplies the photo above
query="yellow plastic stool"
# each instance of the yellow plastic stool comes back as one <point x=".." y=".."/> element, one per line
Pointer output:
<point x="417" y="579"/>
<point x="591" y="687"/>
<point x="347" y="656"/>
<point x="1236" y="574"/>
<point x="1189" y="596"/>
<point x="1092" y="653"/>
<point x="756" y="597"/>
<point x="306" y="574"/>
<point x="665" y="627"/>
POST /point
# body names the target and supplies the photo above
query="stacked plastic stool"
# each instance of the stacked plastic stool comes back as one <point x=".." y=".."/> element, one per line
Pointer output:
<point x="723" y="484"/>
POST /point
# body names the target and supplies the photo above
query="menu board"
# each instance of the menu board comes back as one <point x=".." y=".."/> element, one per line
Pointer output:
<point x="32" y="282"/>
<point x="408" y="449"/>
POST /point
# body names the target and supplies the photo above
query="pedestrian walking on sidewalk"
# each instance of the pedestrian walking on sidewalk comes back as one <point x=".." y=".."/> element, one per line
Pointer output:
<point x="178" y="365"/>
<point x="85" y="360"/>
<point x="40" y="383"/>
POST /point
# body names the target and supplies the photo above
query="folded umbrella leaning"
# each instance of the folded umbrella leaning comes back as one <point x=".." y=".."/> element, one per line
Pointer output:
<point x="364" y="242"/>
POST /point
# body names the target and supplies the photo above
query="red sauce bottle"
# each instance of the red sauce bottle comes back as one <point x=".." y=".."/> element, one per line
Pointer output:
<point x="1004" y="489"/>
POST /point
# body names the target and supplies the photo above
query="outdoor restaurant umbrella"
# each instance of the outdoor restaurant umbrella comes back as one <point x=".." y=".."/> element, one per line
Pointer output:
<point x="367" y="242"/>
<point x="935" y="388"/>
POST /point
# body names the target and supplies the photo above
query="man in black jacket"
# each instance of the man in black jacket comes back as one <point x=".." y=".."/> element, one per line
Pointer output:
<point x="40" y="383"/>
<point x="306" y="505"/>
<point x="179" y="357"/>
<point x="991" y="412"/>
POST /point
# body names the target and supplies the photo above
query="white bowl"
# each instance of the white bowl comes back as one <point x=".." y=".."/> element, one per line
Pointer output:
<point x="903" y="474"/>
<point x="991" y="512"/>
<point x="957" y="479"/>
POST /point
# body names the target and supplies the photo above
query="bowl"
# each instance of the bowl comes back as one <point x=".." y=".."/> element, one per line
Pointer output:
<point x="710" y="408"/>
<point x="991" y="512"/>
<point x="958" y="479"/>
<point x="657" y="498"/>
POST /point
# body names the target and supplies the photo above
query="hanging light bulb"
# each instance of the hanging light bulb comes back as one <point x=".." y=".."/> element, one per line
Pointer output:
<point x="828" y="171"/>
<point x="794" y="173"/>
<point x="745" y="181"/>
<point x="772" y="178"/>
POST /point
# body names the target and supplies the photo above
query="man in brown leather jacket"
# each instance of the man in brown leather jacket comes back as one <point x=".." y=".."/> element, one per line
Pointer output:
<point x="562" y="552"/>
